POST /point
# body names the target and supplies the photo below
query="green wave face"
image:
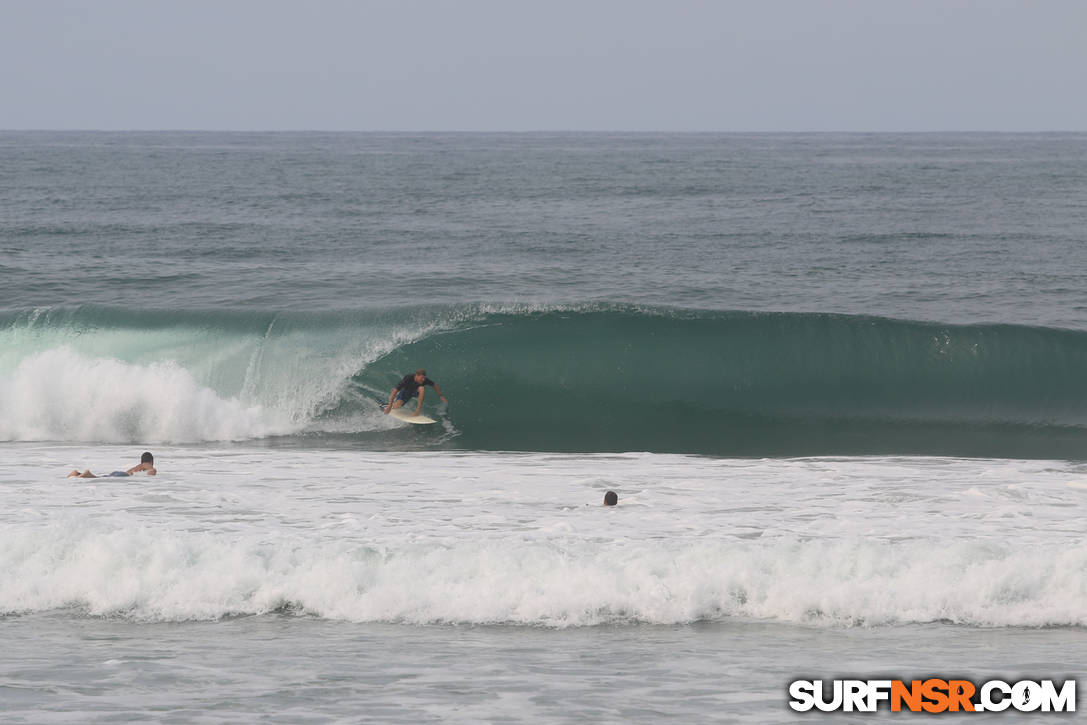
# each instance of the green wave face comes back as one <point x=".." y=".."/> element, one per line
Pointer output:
<point x="586" y="378"/>
<point x="755" y="384"/>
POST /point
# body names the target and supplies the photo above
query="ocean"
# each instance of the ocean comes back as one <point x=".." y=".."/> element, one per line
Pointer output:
<point x="836" y="380"/>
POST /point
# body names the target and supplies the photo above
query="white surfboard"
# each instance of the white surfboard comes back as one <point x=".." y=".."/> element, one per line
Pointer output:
<point x="401" y="414"/>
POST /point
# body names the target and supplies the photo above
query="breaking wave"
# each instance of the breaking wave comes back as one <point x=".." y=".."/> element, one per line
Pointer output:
<point x="593" y="377"/>
<point x="145" y="574"/>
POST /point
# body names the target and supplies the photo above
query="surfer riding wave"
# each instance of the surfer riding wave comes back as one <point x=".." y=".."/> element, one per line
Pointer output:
<point x="412" y="385"/>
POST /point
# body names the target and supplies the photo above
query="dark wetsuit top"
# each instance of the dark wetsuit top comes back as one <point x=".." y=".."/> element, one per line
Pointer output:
<point x="408" y="388"/>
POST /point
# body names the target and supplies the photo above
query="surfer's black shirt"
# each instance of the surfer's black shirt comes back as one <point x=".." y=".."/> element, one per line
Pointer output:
<point x="410" y="387"/>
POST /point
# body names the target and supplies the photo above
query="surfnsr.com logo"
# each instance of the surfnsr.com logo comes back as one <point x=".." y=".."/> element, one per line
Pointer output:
<point x="932" y="695"/>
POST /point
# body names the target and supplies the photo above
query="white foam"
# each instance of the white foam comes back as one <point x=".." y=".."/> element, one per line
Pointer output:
<point x="184" y="383"/>
<point x="146" y="574"/>
<point x="60" y="394"/>
<point x="500" y="538"/>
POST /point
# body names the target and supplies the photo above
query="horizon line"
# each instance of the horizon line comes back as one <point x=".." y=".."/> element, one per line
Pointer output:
<point x="542" y="131"/>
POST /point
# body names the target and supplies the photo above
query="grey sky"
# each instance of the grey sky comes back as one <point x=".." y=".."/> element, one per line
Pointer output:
<point x="482" y="65"/>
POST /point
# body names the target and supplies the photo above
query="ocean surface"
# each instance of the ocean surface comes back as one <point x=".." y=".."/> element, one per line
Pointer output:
<point x="839" y="383"/>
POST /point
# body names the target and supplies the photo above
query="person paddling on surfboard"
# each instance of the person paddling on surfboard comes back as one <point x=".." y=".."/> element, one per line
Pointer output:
<point x="147" y="463"/>
<point x="413" y="384"/>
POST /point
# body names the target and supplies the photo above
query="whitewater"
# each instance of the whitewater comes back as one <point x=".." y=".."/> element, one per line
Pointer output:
<point x="728" y="573"/>
<point x="835" y="380"/>
<point x="478" y="538"/>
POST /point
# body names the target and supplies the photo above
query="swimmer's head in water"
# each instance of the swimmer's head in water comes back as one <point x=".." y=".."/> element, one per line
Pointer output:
<point x="147" y="458"/>
<point x="611" y="498"/>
